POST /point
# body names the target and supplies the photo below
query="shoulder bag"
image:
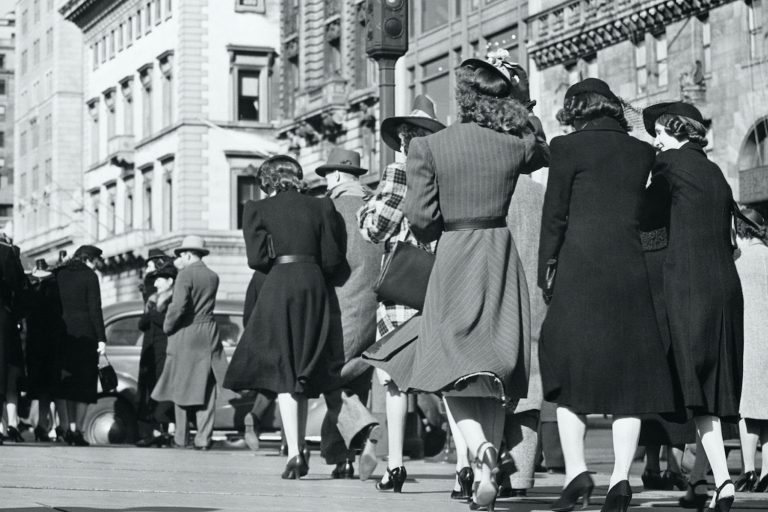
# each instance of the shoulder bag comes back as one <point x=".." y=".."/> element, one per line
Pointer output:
<point x="405" y="275"/>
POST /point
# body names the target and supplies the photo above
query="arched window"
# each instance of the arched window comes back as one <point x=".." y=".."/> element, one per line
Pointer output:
<point x="753" y="164"/>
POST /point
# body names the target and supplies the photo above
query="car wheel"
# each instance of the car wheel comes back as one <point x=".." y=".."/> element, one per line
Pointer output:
<point x="111" y="420"/>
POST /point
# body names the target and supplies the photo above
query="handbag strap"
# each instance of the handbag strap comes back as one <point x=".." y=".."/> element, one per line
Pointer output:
<point x="104" y="355"/>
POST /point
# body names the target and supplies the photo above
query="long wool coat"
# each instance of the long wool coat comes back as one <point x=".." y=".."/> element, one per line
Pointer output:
<point x="154" y="347"/>
<point x="81" y="310"/>
<point x="600" y="348"/>
<point x="12" y="283"/>
<point x="194" y="348"/>
<point x="752" y="265"/>
<point x="45" y="336"/>
<point x="288" y="345"/>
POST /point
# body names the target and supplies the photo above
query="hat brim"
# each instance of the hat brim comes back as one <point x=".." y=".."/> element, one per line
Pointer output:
<point x="351" y="169"/>
<point x="390" y="125"/>
<point x="651" y="114"/>
<point x="201" y="250"/>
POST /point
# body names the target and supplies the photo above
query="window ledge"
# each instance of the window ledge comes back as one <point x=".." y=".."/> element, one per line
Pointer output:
<point x="146" y="140"/>
<point x="754" y="62"/>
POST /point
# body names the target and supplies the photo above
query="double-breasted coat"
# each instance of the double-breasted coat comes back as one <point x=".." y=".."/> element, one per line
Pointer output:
<point x="194" y="348"/>
<point x="81" y="311"/>
<point x="700" y="285"/>
<point x="474" y="333"/>
<point x="154" y="347"/>
<point x="600" y="347"/>
<point x="12" y="283"/>
<point x="287" y="345"/>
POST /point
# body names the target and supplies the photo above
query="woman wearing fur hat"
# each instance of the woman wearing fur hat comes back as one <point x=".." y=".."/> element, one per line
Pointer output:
<point x="701" y="288"/>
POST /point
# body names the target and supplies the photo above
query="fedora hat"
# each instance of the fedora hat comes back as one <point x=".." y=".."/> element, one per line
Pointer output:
<point x="192" y="243"/>
<point x="343" y="160"/>
<point x="676" y="108"/>
<point x="422" y="116"/>
<point x="156" y="254"/>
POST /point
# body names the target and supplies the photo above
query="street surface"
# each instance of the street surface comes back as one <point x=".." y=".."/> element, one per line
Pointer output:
<point x="39" y="478"/>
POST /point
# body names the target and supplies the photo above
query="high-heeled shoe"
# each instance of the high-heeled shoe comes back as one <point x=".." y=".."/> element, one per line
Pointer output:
<point x="296" y="468"/>
<point x="618" y="498"/>
<point x="722" y="504"/>
<point x="655" y="481"/>
<point x="697" y="500"/>
<point x="762" y="485"/>
<point x="675" y="480"/>
<point x="464" y="477"/>
<point x="747" y="482"/>
<point x="343" y="470"/>
<point x="485" y="492"/>
<point x="395" y="479"/>
<point x="14" y="435"/>
<point x="580" y="487"/>
<point x="41" y="435"/>
<point x="78" y="439"/>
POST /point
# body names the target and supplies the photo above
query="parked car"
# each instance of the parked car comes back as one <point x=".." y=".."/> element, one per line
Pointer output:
<point x="112" y="419"/>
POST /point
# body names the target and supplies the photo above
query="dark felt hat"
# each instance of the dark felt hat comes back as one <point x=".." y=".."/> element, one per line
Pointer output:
<point x="496" y="62"/>
<point x="593" y="85"/>
<point x="422" y="116"/>
<point x="343" y="160"/>
<point x="754" y="217"/>
<point x="155" y="254"/>
<point x="165" y="270"/>
<point x="90" y="251"/>
<point x="676" y="108"/>
<point x="41" y="264"/>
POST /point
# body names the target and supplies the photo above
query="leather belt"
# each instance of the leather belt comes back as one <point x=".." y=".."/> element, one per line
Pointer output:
<point x="466" y="224"/>
<point x="295" y="258"/>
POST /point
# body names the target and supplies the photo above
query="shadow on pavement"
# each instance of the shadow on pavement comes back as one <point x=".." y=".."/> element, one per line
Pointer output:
<point x="102" y="509"/>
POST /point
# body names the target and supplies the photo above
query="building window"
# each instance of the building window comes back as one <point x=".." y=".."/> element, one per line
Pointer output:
<point x="2" y="87"/>
<point x="22" y="182"/>
<point x="168" y="223"/>
<point x="93" y="111"/>
<point x="507" y="40"/>
<point x="49" y="42"/>
<point x="35" y="178"/>
<point x="250" y="76"/>
<point x="129" y="204"/>
<point x="247" y="190"/>
<point x="48" y="178"/>
<point x="333" y="50"/>
<point x="662" y="72"/>
<point x="168" y="9"/>
<point x="641" y="71"/>
<point x="49" y="5"/>
<point x="129" y="32"/>
<point x="362" y="62"/>
<point x="147" y="199"/>
<point x="103" y="50"/>
<point x="112" y="44"/>
<point x="435" y="83"/>
<point x="2" y="112"/>
<point x="95" y="51"/>
<point x="250" y="6"/>
<point x="434" y="13"/>
<point x="706" y="43"/>
<point x="138" y="24"/>
<point x="2" y="61"/>
<point x="24" y="17"/>
<point x="111" y="209"/>
<point x="95" y="213"/>
<point x="109" y="102"/>
<point x="34" y="131"/>
<point x="248" y="85"/>
<point x="126" y="87"/>
<point x="120" y="37"/>
<point x="2" y="139"/>
<point x="23" y="143"/>
<point x="148" y="18"/>
<point x="754" y="27"/>
<point x="291" y="85"/>
<point x="145" y="75"/>
<point x="158" y="11"/>
<point x="166" y="69"/>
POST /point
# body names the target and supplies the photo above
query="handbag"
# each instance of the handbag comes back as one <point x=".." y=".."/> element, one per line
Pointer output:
<point x="549" y="278"/>
<point x="107" y="377"/>
<point x="405" y="275"/>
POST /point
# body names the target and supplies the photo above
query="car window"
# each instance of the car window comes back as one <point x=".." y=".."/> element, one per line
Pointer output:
<point x="230" y="328"/>
<point x="125" y="332"/>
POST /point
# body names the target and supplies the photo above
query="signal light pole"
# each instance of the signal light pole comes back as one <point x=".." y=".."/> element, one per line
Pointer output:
<point x="386" y="41"/>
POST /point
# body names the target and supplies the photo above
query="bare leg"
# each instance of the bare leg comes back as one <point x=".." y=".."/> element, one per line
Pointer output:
<point x="462" y="458"/>
<point x="711" y="436"/>
<point x="397" y="408"/>
<point x="652" y="463"/>
<point x="626" y="432"/>
<point x="289" y="414"/>
<point x="764" y="444"/>
<point x="749" y="432"/>
<point x="572" y="428"/>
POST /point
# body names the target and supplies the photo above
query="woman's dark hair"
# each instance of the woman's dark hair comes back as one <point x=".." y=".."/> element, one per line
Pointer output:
<point x="280" y="175"/>
<point x="410" y="132"/>
<point x="684" y="128"/>
<point x="587" y="106"/>
<point x="482" y="98"/>
<point x="750" y="230"/>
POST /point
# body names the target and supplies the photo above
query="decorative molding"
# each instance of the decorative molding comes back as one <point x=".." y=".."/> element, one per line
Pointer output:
<point x="574" y="29"/>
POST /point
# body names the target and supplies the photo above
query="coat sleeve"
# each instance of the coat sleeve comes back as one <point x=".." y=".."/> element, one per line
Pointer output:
<point x="557" y="199"/>
<point x="93" y="298"/>
<point x="145" y="320"/>
<point x="256" y="238"/>
<point x="332" y="234"/>
<point x="182" y="297"/>
<point x="536" y="148"/>
<point x="381" y="217"/>
<point x="422" y="201"/>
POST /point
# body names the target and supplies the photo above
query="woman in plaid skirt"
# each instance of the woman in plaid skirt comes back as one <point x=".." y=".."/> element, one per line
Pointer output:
<point x="381" y="221"/>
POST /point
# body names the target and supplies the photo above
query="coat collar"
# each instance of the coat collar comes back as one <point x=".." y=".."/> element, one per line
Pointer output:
<point x="603" y="123"/>
<point x="693" y="147"/>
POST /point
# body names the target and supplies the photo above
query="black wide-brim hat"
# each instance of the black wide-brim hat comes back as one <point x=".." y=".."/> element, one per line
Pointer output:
<point x="90" y="251"/>
<point x="343" y="160"/>
<point x="166" y="270"/>
<point x="675" y="108"/>
<point x="594" y="86"/>
<point x="156" y="254"/>
<point x="422" y="116"/>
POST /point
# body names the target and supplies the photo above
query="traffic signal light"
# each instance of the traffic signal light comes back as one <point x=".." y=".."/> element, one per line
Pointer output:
<point x="387" y="25"/>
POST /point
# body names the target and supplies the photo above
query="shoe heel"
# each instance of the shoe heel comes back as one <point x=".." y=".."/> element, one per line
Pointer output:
<point x="585" y="498"/>
<point x="397" y="486"/>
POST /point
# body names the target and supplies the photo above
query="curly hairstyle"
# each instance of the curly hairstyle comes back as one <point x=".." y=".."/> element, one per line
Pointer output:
<point x="683" y="128"/>
<point x="409" y="132"/>
<point x="280" y="174"/>
<point x="480" y="100"/>
<point x="587" y="106"/>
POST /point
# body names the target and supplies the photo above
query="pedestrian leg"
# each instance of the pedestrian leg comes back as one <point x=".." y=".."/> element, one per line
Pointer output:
<point x="711" y="434"/>
<point x="332" y="446"/>
<point x="626" y="432"/>
<point x="572" y="428"/>
<point x="521" y="435"/>
<point x="205" y="416"/>
<point x="749" y="433"/>
<point x="182" y="426"/>
<point x="464" y="473"/>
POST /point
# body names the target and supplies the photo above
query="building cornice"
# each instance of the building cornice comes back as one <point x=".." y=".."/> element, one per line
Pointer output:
<point x="572" y="30"/>
<point x="85" y="13"/>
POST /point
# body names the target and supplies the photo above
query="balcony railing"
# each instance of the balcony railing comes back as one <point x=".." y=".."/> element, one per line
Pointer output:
<point x="120" y="149"/>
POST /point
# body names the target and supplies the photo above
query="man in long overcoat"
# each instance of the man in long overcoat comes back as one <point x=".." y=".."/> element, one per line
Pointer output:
<point x="195" y="363"/>
<point x="347" y="420"/>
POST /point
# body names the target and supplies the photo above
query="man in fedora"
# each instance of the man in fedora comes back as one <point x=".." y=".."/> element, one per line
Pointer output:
<point x="348" y="422"/>
<point x="195" y="363"/>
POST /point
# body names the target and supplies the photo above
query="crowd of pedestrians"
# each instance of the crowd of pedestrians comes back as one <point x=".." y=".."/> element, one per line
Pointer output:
<point x="651" y="306"/>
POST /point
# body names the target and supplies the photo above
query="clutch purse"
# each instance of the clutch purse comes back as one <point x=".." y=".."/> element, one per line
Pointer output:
<point x="107" y="377"/>
<point x="550" y="280"/>
<point x="404" y="276"/>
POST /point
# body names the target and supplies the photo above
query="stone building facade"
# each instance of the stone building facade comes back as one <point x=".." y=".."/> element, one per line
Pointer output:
<point x="177" y="113"/>
<point x="7" y="45"/>
<point x="48" y="202"/>
<point x="712" y="53"/>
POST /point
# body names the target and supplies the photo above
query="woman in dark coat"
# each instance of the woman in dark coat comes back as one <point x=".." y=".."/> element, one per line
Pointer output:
<point x="600" y="347"/>
<point x="84" y="340"/>
<point x="153" y="351"/>
<point x="287" y="347"/>
<point x="701" y="287"/>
